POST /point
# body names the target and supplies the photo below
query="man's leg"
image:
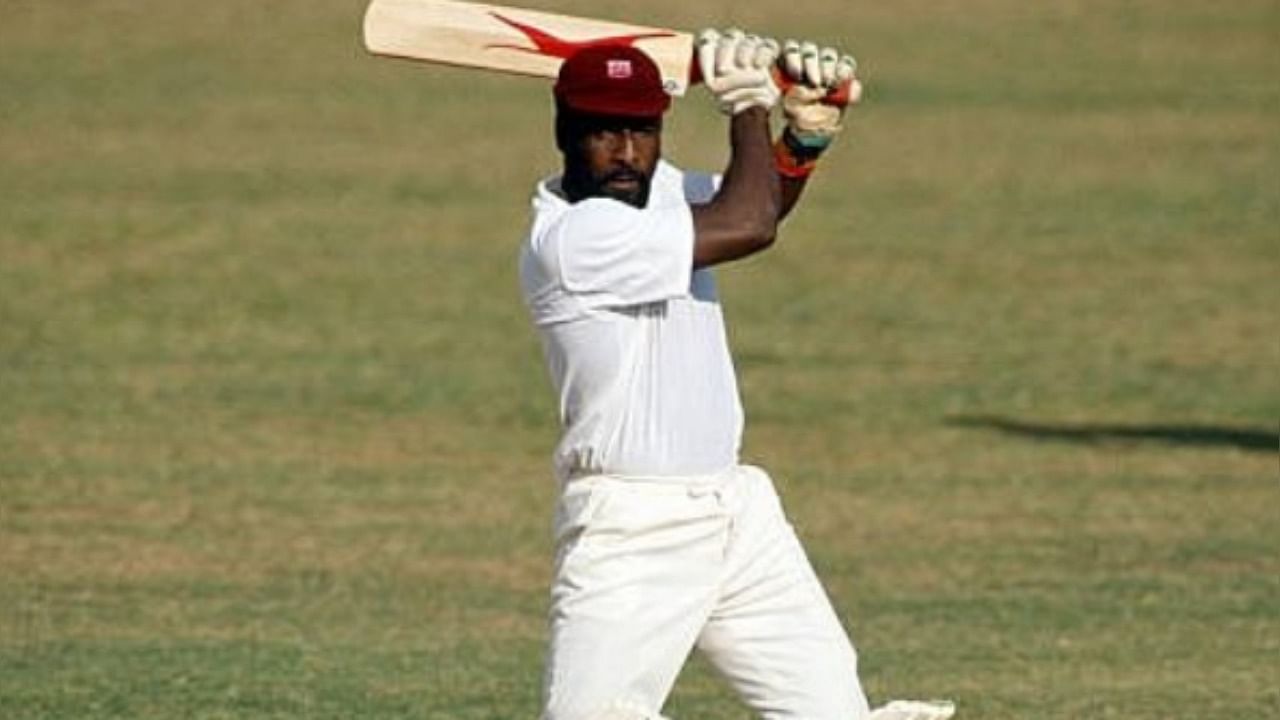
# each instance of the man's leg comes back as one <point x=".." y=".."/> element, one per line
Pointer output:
<point x="637" y="567"/>
<point x="774" y="634"/>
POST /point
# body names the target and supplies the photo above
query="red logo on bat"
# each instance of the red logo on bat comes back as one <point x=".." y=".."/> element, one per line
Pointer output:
<point x="547" y="44"/>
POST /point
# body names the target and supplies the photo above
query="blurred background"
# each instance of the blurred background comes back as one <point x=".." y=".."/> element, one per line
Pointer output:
<point x="275" y="435"/>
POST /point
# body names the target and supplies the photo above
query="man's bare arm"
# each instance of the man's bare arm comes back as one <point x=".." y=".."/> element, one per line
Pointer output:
<point x="764" y="183"/>
<point x="742" y="218"/>
<point x="792" y="189"/>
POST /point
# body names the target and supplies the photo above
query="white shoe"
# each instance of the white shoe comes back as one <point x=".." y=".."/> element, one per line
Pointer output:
<point x="914" y="710"/>
<point x="624" y="711"/>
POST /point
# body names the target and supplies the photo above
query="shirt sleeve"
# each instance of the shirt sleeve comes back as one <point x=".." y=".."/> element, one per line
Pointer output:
<point x="609" y="254"/>
<point x="699" y="188"/>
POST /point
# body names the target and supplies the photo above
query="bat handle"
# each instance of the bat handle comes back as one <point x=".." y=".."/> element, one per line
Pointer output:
<point x="695" y="71"/>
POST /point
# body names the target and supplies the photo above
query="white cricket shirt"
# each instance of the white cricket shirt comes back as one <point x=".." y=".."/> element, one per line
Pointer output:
<point x="633" y="337"/>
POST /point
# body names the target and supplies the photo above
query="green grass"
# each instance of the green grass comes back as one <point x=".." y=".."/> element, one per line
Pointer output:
<point x="275" y="437"/>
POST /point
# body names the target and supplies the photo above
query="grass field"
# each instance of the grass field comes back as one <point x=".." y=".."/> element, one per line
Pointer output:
<point x="275" y="436"/>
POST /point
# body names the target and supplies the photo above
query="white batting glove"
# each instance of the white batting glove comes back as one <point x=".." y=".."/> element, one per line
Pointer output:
<point x="815" y="104"/>
<point x="817" y="67"/>
<point x="738" y="69"/>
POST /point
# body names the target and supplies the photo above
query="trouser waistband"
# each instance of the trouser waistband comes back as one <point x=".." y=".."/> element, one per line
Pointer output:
<point x="696" y="480"/>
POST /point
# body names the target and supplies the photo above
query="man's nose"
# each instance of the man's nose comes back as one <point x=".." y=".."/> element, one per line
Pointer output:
<point x="626" y="147"/>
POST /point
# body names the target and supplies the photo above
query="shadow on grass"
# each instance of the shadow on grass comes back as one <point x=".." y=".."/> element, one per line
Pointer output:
<point x="1247" y="439"/>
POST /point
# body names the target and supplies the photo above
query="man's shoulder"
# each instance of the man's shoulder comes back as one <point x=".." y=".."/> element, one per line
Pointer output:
<point x="548" y="194"/>
<point x="691" y="186"/>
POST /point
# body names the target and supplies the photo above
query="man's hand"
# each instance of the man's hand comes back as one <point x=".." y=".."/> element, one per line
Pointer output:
<point x="815" y="103"/>
<point x="823" y="83"/>
<point x="738" y="69"/>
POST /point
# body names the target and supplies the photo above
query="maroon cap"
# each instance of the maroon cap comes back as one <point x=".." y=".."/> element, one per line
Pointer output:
<point x="612" y="80"/>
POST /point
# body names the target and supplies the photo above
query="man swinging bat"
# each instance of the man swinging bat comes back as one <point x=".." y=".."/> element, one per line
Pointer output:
<point x="664" y="541"/>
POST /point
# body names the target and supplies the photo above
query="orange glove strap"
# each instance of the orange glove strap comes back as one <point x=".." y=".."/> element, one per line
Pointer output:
<point x="790" y="159"/>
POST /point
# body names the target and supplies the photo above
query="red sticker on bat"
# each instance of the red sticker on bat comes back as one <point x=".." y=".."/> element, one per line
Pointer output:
<point x="547" y="44"/>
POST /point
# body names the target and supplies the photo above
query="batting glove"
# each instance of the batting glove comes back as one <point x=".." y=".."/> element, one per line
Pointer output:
<point x="822" y="84"/>
<point x="738" y="69"/>
<point x="817" y="67"/>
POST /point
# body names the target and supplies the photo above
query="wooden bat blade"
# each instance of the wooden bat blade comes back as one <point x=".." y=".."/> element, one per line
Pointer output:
<point x="512" y="40"/>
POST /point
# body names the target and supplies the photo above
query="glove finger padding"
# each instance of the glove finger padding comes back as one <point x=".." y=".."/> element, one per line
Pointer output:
<point x="829" y="59"/>
<point x="791" y="64"/>
<point x="824" y="67"/>
<point x="810" y="57"/>
<point x="727" y="51"/>
<point x="737" y="69"/>
<point x="766" y="54"/>
<point x="846" y="69"/>
<point x="708" y="42"/>
<point x="745" y="53"/>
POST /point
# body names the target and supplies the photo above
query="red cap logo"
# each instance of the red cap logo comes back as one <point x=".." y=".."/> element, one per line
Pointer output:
<point x="618" y="69"/>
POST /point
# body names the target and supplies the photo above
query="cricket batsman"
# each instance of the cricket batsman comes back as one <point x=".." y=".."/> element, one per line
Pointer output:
<point x="664" y="540"/>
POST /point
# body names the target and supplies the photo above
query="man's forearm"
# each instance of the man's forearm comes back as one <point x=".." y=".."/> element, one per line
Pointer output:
<point x="751" y="171"/>
<point x="743" y="217"/>
<point x="792" y="189"/>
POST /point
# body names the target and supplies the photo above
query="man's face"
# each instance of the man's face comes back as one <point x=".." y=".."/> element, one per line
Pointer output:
<point x="613" y="157"/>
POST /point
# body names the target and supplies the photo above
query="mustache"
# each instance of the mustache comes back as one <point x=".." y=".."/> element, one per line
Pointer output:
<point x="623" y="174"/>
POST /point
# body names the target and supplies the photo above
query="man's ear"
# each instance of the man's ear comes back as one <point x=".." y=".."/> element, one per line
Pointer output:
<point x="564" y="127"/>
<point x="562" y="133"/>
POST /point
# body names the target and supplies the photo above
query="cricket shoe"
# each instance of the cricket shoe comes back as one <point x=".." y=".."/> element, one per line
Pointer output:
<point x="625" y="711"/>
<point x="913" y="710"/>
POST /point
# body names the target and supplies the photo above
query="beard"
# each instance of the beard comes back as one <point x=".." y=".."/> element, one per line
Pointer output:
<point x="628" y="186"/>
<point x="625" y="185"/>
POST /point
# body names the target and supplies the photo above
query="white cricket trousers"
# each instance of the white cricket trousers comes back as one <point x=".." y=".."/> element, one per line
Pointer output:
<point x="647" y="568"/>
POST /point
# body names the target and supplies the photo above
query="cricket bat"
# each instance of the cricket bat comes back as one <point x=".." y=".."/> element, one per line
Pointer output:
<point x="512" y="40"/>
